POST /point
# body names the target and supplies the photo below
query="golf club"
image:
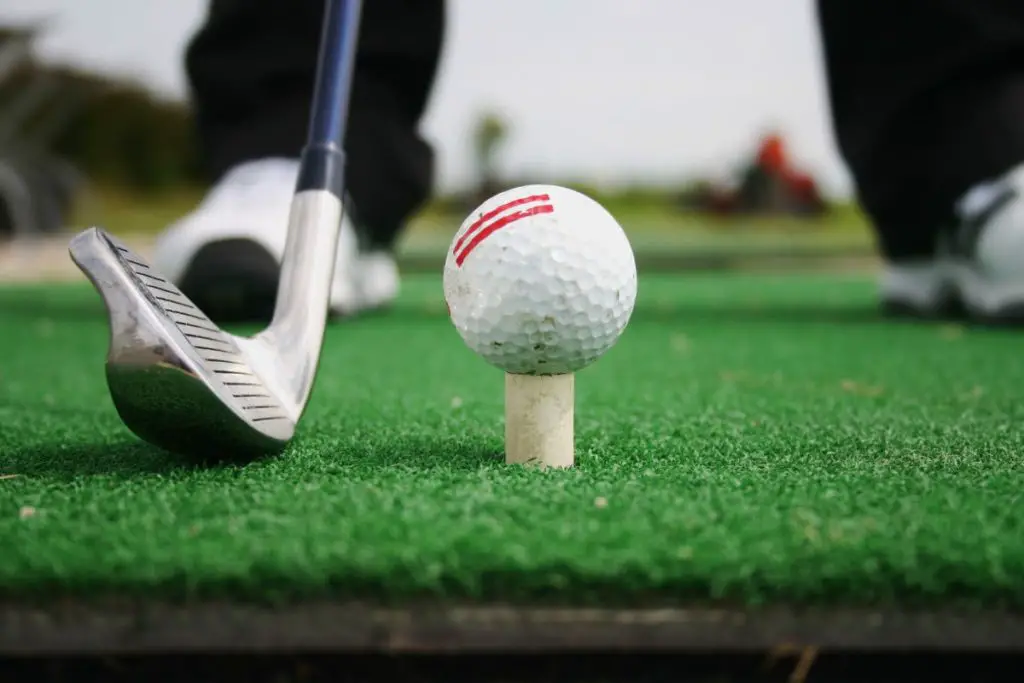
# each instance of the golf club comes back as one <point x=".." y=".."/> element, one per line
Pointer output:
<point x="180" y="382"/>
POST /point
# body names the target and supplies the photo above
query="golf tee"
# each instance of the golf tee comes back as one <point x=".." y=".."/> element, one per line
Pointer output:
<point x="539" y="420"/>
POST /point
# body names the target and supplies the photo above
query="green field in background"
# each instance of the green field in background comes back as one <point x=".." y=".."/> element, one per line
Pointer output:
<point x="127" y="214"/>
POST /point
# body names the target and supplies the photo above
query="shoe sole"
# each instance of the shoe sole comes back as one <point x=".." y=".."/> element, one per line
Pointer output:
<point x="954" y="311"/>
<point x="950" y="308"/>
<point x="1011" y="315"/>
<point x="987" y="305"/>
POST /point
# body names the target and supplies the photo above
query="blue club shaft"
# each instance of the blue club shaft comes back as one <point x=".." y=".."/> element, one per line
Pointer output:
<point x="322" y="165"/>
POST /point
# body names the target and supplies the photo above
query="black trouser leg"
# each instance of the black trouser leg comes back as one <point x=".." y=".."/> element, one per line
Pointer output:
<point x="927" y="98"/>
<point x="251" y="68"/>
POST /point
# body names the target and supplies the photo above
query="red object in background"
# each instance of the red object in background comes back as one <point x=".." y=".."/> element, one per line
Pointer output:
<point x="772" y="154"/>
<point x="770" y="184"/>
<point x="802" y="184"/>
<point x="772" y="157"/>
<point x="805" y="190"/>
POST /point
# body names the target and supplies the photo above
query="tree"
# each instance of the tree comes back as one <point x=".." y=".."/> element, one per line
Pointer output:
<point x="491" y="131"/>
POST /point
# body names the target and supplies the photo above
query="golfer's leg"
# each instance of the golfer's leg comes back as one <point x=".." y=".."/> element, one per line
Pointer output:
<point x="392" y="165"/>
<point x="927" y="97"/>
<point x="251" y="68"/>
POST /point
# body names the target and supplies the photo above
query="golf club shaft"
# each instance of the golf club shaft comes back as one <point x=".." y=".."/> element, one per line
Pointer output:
<point x="307" y="267"/>
<point x="323" y="158"/>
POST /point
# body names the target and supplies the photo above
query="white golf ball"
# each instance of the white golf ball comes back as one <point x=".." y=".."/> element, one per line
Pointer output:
<point x="540" y="280"/>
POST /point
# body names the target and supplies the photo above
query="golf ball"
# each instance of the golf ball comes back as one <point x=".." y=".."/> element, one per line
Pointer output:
<point x="540" y="280"/>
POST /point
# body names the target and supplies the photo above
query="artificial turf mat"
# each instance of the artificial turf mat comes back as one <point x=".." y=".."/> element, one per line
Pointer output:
<point x="752" y="439"/>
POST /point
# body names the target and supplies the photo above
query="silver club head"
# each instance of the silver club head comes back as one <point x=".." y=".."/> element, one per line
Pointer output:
<point x="179" y="381"/>
<point x="176" y="379"/>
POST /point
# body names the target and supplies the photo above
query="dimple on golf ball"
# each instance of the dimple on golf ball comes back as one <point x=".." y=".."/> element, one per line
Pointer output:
<point x="540" y="280"/>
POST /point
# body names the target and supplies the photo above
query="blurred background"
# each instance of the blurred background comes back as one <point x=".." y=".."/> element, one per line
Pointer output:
<point x="702" y="126"/>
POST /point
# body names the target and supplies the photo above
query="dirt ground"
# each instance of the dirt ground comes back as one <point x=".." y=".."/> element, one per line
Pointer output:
<point x="46" y="259"/>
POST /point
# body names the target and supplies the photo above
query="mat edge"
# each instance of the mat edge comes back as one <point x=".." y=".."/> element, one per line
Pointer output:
<point x="145" y="628"/>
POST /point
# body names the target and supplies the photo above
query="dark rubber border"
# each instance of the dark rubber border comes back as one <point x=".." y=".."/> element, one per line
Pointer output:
<point x="127" y="629"/>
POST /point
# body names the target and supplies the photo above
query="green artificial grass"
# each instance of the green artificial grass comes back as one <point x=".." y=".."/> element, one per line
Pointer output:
<point x="752" y="439"/>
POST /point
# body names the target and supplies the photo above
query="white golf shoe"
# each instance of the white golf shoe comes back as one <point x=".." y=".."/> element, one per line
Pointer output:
<point x="226" y="254"/>
<point x="979" y="268"/>
<point x="918" y="289"/>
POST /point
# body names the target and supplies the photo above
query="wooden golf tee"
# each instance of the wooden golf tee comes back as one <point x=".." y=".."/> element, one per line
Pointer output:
<point x="539" y="420"/>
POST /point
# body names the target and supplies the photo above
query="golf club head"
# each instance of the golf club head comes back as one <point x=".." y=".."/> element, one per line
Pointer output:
<point x="177" y="380"/>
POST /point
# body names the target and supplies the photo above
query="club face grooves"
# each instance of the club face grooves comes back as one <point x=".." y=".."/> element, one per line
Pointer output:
<point x="176" y="379"/>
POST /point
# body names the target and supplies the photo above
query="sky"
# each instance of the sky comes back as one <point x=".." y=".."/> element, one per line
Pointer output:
<point x="604" y="90"/>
